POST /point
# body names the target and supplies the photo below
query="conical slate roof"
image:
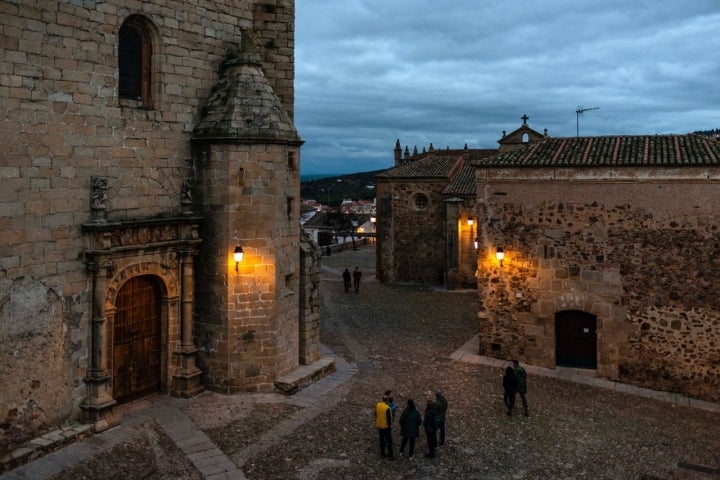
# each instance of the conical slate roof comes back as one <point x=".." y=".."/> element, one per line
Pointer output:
<point x="244" y="108"/>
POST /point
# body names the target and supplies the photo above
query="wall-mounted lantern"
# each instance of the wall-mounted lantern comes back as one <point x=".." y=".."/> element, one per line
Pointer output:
<point x="238" y="256"/>
<point x="500" y="255"/>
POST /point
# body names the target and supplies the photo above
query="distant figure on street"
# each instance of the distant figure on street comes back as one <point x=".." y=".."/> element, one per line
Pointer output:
<point x="346" y="280"/>
<point x="441" y="406"/>
<point x="410" y="423"/>
<point x="357" y="275"/>
<point x="509" y="383"/>
<point x="383" y="422"/>
<point x="430" y="425"/>
<point x="521" y="377"/>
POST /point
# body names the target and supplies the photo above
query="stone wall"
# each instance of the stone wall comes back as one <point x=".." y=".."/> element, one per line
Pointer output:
<point x="411" y="240"/>
<point x="61" y="124"/>
<point x="641" y="255"/>
<point x="310" y="255"/>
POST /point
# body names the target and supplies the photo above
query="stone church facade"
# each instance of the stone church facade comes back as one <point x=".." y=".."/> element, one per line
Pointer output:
<point x="609" y="250"/>
<point x="426" y="222"/>
<point x="610" y="258"/>
<point x="144" y="143"/>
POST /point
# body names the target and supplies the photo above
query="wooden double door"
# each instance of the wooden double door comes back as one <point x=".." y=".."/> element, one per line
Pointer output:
<point x="137" y="339"/>
<point x="575" y="339"/>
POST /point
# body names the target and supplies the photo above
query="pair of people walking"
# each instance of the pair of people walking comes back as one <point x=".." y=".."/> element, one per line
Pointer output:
<point x="515" y="383"/>
<point x="353" y="278"/>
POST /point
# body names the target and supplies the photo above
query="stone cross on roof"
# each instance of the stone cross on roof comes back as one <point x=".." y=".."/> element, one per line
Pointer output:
<point x="525" y="119"/>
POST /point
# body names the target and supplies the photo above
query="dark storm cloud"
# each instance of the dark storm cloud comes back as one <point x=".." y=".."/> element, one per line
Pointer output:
<point x="369" y="72"/>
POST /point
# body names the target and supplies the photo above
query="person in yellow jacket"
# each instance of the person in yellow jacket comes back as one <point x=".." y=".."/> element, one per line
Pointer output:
<point x="383" y="422"/>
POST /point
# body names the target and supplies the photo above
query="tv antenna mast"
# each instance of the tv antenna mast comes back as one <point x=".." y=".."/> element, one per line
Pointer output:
<point x="580" y="110"/>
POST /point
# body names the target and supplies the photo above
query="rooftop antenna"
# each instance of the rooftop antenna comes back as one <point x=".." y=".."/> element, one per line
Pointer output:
<point x="580" y="110"/>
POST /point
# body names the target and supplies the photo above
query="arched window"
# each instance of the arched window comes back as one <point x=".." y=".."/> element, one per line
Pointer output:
<point x="134" y="54"/>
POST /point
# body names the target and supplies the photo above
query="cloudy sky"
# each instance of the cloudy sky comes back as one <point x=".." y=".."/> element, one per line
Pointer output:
<point x="452" y="72"/>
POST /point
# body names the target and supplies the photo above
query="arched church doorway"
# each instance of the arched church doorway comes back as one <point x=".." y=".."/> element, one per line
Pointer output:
<point x="575" y="339"/>
<point x="137" y="339"/>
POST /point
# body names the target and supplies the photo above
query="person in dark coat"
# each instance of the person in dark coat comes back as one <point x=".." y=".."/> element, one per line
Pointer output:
<point x="410" y="423"/>
<point x="430" y="424"/>
<point x="357" y="276"/>
<point x="441" y="406"/>
<point x="347" y="280"/>
<point x="521" y="389"/>
<point x="509" y="383"/>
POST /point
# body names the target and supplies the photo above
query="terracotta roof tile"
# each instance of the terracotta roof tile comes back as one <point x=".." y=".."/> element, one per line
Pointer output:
<point x="463" y="183"/>
<point x="619" y="151"/>
<point x="429" y="167"/>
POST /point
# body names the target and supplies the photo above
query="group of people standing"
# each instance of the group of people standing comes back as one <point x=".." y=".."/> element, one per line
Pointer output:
<point x="433" y="421"/>
<point x="515" y="383"/>
<point x="355" y="278"/>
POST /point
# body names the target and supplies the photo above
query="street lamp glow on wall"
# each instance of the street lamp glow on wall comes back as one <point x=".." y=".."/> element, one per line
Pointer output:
<point x="470" y="223"/>
<point x="500" y="255"/>
<point x="238" y="256"/>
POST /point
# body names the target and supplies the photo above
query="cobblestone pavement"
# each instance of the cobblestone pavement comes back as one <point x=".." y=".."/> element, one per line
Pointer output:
<point x="409" y="339"/>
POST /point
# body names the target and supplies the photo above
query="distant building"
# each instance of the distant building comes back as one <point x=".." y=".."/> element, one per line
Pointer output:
<point x="424" y="207"/>
<point x="325" y="229"/>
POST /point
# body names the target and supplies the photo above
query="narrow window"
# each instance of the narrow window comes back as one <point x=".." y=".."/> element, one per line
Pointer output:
<point x="292" y="161"/>
<point x="289" y="207"/>
<point x="134" y="53"/>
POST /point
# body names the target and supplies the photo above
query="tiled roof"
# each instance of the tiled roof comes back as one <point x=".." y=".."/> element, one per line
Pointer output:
<point x="316" y="221"/>
<point x="430" y="167"/>
<point x="463" y="183"/>
<point x="323" y="220"/>
<point x="480" y="153"/>
<point x="619" y="151"/>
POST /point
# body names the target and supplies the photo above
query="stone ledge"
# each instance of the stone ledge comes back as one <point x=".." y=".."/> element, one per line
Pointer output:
<point x="304" y="375"/>
<point x="43" y="445"/>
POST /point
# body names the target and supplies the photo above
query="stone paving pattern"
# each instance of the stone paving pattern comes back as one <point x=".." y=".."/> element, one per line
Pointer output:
<point x="410" y="339"/>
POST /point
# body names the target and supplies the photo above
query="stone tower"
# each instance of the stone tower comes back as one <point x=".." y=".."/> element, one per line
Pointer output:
<point x="246" y="150"/>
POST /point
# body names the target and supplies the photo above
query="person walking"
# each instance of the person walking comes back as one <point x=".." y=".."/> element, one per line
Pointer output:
<point x="383" y="422"/>
<point x="357" y="275"/>
<point x="509" y="383"/>
<point x="521" y="377"/>
<point x="346" y="280"/>
<point x="441" y="406"/>
<point x="410" y="423"/>
<point x="430" y="424"/>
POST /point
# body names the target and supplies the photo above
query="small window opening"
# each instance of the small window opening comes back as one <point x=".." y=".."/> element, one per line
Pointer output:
<point x="134" y="53"/>
<point x="421" y="202"/>
<point x="292" y="161"/>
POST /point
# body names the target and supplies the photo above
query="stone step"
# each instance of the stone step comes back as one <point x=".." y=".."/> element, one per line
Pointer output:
<point x="304" y="375"/>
